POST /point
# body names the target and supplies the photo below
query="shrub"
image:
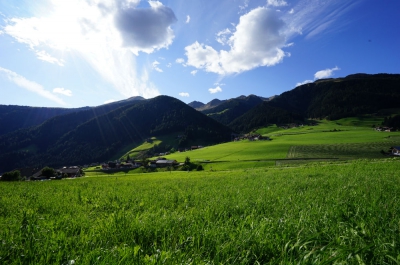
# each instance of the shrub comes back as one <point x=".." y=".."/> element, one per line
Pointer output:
<point x="11" y="176"/>
<point x="48" y="172"/>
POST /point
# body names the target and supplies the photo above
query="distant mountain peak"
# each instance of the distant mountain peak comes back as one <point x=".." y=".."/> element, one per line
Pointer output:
<point x="196" y="104"/>
<point x="136" y="98"/>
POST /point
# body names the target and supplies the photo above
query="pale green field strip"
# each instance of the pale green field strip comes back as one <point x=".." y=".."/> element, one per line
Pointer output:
<point x="234" y="151"/>
<point x="342" y="151"/>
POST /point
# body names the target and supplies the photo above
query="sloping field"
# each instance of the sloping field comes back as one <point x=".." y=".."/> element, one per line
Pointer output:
<point x="235" y="151"/>
<point x="326" y="140"/>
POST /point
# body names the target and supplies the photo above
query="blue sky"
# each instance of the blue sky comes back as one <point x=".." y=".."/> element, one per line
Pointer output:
<point x="73" y="53"/>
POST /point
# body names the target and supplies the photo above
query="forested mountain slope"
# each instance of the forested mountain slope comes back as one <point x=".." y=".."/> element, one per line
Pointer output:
<point x="13" y="117"/>
<point x="263" y="115"/>
<point x="18" y="117"/>
<point x="99" y="138"/>
<point x="342" y="97"/>
<point x="229" y="110"/>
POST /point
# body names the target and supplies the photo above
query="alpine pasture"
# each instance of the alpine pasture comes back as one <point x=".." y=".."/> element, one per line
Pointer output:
<point x="250" y="205"/>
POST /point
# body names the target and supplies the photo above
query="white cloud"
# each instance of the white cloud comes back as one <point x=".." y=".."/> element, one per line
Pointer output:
<point x="223" y="35"/>
<point x="184" y="94"/>
<point x="109" y="101"/>
<point x="256" y="42"/>
<point x="180" y="60"/>
<point x="169" y="65"/>
<point x="155" y="67"/>
<point x="30" y="85"/>
<point x="194" y="72"/>
<point x="325" y="73"/>
<point x="187" y="19"/>
<point x="215" y="90"/>
<point x="87" y="29"/>
<point x="262" y="34"/>
<point x="62" y="91"/>
<point x="44" y="56"/>
<point x="304" y="82"/>
<point x="320" y="75"/>
<point x="146" y="29"/>
<point x="276" y="3"/>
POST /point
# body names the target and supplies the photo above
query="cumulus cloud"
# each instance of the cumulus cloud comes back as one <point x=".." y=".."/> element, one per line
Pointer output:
<point x="257" y="41"/>
<point x="215" y="90"/>
<point x="262" y="35"/>
<point x="304" y="82"/>
<point x="194" y="72"/>
<point x="155" y="67"/>
<point x="187" y="19"/>
<point x="184" y="94"/>
<point x="180" y="60"/>
<point x="88" y="30"/>
<point x="276" y="3"/>
<point x="325" y="73"/>
<point x="62" y="91"/>
<point x="146" y="29"/>
<point x="320" y="75"/>
<point x="30" y="85"/>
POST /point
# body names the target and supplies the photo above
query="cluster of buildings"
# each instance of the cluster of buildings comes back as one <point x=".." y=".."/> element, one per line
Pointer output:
<point x="250" y="137"/>
<point x="384" y="129"/>
<point x="37" y="173"/>
<point x="154" y="163"/>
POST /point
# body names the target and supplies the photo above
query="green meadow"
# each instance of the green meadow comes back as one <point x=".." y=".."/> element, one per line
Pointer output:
<point x="319" y="213"/>
<point x="321" y="194"/>
<point x="326" y="140"/>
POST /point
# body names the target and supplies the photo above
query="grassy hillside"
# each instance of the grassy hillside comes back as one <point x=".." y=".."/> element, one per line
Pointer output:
<point x="317" y="214"/>
<point x="328" y="139"/>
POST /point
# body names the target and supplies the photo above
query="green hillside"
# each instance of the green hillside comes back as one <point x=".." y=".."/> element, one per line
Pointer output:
<point x="326" y="140"/>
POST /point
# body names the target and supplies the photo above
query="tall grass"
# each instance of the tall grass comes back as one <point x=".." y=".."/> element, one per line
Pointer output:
<point x="314" y="214"/>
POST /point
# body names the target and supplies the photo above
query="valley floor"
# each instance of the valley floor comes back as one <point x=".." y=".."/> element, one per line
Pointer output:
<point x="316" y="213"/>
<point x="312" y="195"/>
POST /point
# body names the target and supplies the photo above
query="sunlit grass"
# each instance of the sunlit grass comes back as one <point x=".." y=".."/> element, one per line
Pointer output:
<point x="350" y="140"/>
<point x="315" y="214"/>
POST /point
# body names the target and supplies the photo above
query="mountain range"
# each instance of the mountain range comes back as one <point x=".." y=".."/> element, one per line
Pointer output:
<point x="31" y="136"/>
